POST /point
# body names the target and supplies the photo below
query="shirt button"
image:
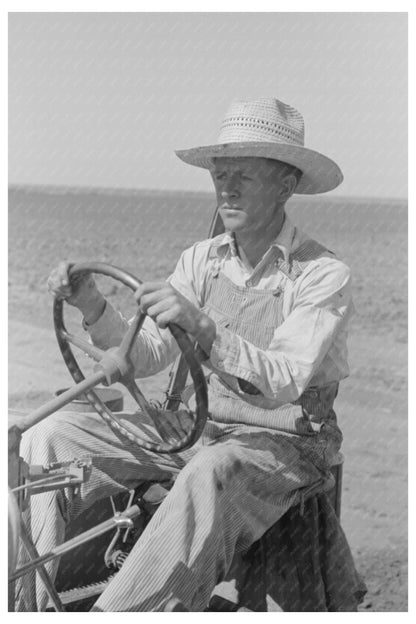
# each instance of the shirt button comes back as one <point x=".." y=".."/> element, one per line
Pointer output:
<point x="220" y="364"/>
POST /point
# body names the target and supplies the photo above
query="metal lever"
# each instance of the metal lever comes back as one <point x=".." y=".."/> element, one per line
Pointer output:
<point x="121" y="520"/>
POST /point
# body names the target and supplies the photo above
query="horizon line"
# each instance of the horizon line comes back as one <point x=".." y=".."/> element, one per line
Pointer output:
<point x="108" y="190"/>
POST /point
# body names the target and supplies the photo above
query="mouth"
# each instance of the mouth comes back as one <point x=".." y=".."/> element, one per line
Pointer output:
<point x="230" y="207"/>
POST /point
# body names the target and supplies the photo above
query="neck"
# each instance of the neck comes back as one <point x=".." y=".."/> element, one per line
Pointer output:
<point x="253" y="244"/>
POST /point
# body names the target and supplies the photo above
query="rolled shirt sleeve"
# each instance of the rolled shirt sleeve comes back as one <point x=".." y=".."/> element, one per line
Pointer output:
<point x="154" y="348"/>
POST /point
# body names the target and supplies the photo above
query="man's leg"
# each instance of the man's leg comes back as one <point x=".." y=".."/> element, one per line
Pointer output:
<point x="117" y="465"/>
<point x="224" y="499"/>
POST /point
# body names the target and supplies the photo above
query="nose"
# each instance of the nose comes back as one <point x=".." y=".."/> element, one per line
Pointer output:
<point x="230" y="188"/>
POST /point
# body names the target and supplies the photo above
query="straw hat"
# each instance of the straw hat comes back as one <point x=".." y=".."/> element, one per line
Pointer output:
<point x="268" y="128"/>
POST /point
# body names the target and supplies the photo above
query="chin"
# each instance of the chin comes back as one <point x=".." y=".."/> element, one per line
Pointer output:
<point x="233" y="224"/>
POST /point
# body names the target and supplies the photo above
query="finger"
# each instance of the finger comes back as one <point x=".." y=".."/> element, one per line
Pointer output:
<point x="164" y="297"/>
<point x="58" y="277"/>
<point x="79" y="278"/>
<point x="149" y="288"/>
<point x="54" y="285"/>
<point x="62" y="293"/>
<point x="57" y="285"/>
<point x="160" y="317"/>
<point x="62" y="272"/>
<point x="166" y="318"/>
<point x="165" y="312"/>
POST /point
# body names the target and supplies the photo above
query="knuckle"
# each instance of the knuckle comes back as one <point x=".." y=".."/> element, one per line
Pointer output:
<point x="52" y="276"/>
<point x="161" y="321"/>
<point x="144" y="302"/>
<point x="63" y="268"/>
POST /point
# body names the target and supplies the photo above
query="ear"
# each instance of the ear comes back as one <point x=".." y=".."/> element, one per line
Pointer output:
<point x="288" y="186"/>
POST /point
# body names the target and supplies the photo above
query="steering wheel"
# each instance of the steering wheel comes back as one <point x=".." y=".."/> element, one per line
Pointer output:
<point x="114" y="365"/>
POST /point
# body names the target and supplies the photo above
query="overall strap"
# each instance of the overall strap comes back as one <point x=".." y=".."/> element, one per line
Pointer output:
<point x="299" y="259"/>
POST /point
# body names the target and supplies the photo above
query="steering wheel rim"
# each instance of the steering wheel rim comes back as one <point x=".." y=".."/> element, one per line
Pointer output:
<point x="201" y="393"/>
<point x="13" y="531"/>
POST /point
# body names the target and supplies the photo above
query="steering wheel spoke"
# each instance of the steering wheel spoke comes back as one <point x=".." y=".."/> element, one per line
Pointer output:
<point x="89" y="349"/>
<point x="178" y="430"/>
<point x="138" y="396"/>
<point x="172" y="426"/>
<point x="130" y="335"/>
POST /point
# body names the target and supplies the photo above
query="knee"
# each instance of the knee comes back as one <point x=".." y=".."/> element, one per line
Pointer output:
<point x="220" y="467"/>
<point x="46" y="434"/>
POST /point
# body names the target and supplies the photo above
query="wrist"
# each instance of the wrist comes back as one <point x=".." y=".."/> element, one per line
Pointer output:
<point x="92" y="309"/>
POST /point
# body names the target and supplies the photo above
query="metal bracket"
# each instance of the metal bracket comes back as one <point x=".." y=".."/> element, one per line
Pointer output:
<point x="38" y="479"/>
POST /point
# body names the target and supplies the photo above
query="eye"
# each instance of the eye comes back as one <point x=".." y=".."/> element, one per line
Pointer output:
<point x="220" y="175"/>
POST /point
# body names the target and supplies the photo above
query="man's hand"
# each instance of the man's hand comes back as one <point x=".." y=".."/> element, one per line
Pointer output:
<point x="164" y="304"/>
<point x="81" y="291"/>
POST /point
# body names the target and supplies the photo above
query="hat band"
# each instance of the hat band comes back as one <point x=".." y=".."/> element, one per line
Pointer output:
<point x="235" y="129"/>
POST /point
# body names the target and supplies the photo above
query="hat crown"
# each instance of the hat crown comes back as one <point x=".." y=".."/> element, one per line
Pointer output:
<point x="262" y="120"/>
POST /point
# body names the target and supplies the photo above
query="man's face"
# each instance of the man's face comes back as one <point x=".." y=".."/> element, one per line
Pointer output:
<point x="248" y="192"/>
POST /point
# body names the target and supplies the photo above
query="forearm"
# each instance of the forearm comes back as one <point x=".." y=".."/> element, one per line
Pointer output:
<point x="309" y="345"/>
<point x="270" y="375"/>
<point x="299" y="353"/>
<point x="152" y="351"/>
<point x="93" y="309"/>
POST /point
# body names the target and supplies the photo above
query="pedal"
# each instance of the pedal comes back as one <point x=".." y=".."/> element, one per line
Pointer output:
<point x="155" y="494"/>
<point x="77" y="594"/>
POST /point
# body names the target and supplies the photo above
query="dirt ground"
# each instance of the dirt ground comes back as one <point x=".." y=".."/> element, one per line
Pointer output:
<point x="374" y="422"/>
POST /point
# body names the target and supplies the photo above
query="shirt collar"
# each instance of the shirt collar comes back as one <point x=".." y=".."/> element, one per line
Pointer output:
<point x="287" y="240"/>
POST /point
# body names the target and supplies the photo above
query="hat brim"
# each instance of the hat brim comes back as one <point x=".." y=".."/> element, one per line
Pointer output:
<point x="320" y="174"/>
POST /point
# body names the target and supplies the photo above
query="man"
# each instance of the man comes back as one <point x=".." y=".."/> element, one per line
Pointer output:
<point x="268" y="308"/>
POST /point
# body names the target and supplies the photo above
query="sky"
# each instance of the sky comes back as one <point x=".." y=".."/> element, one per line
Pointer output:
<point x="104" y="99"/>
